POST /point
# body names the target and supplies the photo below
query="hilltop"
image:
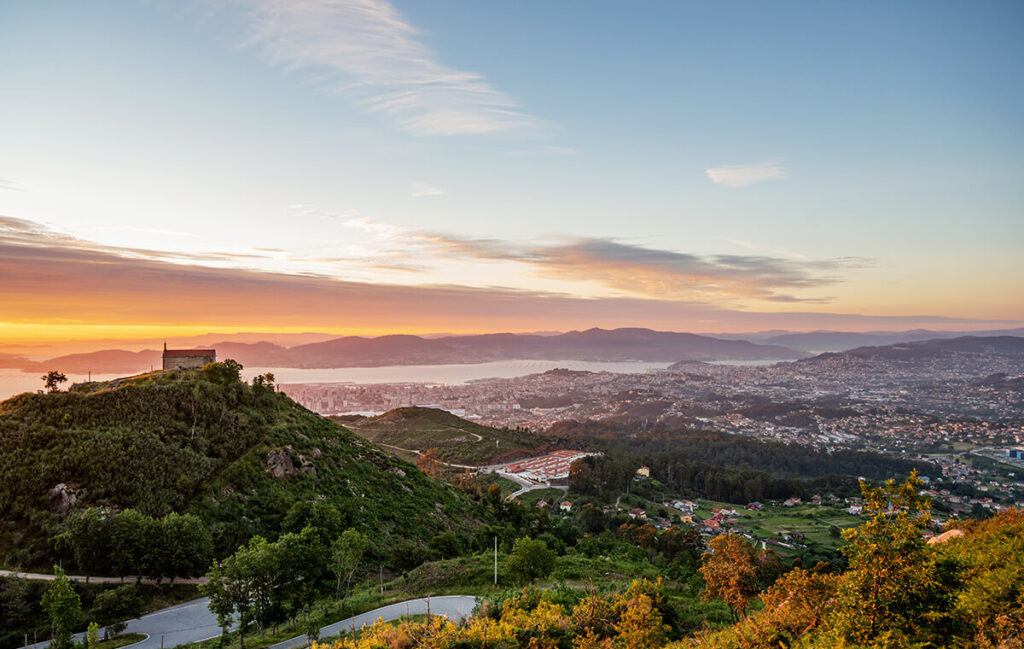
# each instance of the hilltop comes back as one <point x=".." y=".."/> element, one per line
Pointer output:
<point x="203" y="442"/>
<point x="456" y="440"/>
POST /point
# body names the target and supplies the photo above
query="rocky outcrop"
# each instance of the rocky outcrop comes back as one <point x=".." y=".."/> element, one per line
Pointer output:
<point x="64" y="497"/>
<point x="286" y="462"/>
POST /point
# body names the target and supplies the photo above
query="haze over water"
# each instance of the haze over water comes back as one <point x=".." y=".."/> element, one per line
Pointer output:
<point x="14" y="382"/>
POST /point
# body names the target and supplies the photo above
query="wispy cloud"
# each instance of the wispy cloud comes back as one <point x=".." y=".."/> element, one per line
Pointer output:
<point x="57" y="279"/>
<point x="367" y="50"/>
<point x="743" y="175"/>
<point x="9" y="185"/>
<point x="655" y="273"/>
<point x="49" y="282"/>
<point x="420" y="188"/>
<point x="29" y="234"/>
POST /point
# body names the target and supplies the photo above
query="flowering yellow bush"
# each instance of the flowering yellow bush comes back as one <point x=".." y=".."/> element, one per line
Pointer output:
<point x="629" y="620"/>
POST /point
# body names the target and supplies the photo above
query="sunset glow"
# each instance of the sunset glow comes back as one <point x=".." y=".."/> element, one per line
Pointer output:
<point x="391" y="167"/>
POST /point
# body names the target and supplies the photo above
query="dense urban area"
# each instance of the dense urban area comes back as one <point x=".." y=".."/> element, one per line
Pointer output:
<point x="961" y="411"/>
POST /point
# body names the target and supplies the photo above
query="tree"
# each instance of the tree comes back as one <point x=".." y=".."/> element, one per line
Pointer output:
<point x="640" y="624"/>
<point x="225" y="595"/>
<point x="302" y="563"/>
<point x="189" y="545"/>
<point x="226" y="372"/>
<point x="324" y="517"/>
<point x="446" y="545"/>
<point x="245" y="583"/>
<point x="53" y="379"/>
<point x="531" y="559"/>
<point x="265" y="380"/>
<point x="92" y="635"/>
<point x="680" y="545"/>
<point x="346" y="557"/>
<point x="63" y="607"/>
<point x="893" y="581"/>
<point x="112" y="607"/>
<point x="429" y="462"/>
<point x="729" y="572"/>
<point x="130" y="535"/>
<point x="90" y="541"/>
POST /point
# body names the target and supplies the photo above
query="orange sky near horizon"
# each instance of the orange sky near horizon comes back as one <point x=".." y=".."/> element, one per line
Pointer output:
<point x="382" y="167"/>
<point x="92" y="296"/>
<point x="59" y="289"/>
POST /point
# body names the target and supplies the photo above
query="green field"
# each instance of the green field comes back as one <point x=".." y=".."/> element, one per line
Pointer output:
<point x="553" y="496"/>
<point x="456" y="440"/>
<point x="815" y="522"/>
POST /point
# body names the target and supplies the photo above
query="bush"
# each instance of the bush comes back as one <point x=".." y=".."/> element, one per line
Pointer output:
<point x="531" y="559"/>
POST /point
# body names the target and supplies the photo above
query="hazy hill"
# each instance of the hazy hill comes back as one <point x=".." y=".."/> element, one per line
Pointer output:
<point x="589" y="345"/>
<point x="837" y="341"/>
<point x="108" y="361"/>
<point x="236" y="455"/>
<point x="1004" y="346"/>
<point x="457" y="440"/>
<point x="359" y="351"/>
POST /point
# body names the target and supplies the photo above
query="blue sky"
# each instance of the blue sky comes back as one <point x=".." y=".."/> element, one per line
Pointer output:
<point x="749" y="158"/>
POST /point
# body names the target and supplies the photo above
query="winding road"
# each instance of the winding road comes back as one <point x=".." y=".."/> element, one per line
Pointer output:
<point x="127" y="579"/>
<point x="455" y="607"/>
<point x="193" y="622"/>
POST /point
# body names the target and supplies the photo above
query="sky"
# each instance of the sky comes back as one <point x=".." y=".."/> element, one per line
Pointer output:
<point x="371" y="167"/>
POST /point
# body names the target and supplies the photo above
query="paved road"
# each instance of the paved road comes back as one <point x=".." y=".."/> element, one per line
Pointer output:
<point x="515" y="495"/>
<point x="455" y="607"/>
<point x="127" y="579"/>
<point x="415" y="452"/>
<point x="181" y="624"/>
<point x="193" y="621"/>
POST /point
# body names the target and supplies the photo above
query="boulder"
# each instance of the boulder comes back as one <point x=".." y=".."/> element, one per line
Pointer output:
<point x="285" y="462"/>
<point x="63" y="498"/>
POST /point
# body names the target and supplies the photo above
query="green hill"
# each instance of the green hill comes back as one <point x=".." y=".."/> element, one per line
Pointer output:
<point x="456" y="440"/>
<point x="205" y="443"/>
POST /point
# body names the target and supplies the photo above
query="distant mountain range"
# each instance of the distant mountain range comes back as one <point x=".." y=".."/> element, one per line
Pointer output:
<point x="1007" y="346"/>
<point x="358" y="351"/>
<point x="837" y="341"/>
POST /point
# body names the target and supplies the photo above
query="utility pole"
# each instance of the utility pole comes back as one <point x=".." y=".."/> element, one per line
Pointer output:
<point x="495" y="560"/>
<point x="382" y="579"/>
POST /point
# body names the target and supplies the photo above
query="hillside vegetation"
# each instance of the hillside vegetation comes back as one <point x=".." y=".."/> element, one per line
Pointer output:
<point x="202" y="442"/>
<point x="898" y="591"/>
<point x="456" y="439"/>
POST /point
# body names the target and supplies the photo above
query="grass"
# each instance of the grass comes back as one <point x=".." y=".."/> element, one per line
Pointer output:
<point x="158" y="597"/>
<point x="814" y="522"/>
<point x="456" y="439"/>
<point x="507" y="486"/>
<point x="553" y="496"/>
<point x="121" y="641"/>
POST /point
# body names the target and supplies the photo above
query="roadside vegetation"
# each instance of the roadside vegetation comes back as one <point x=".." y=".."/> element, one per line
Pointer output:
<point x="898" y="591"/>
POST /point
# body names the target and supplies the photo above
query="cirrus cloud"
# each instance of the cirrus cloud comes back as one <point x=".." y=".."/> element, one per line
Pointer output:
<point x="747" y="174"/>
<point x="64" y="281"/>
<point x="655" y="273"/>
<point x="367" y="50"/>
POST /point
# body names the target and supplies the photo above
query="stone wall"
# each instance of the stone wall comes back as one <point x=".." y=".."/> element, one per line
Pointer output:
<point x="187" y="362"/>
